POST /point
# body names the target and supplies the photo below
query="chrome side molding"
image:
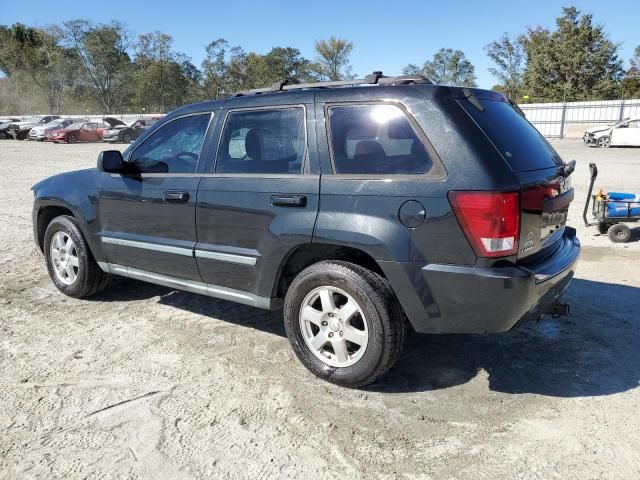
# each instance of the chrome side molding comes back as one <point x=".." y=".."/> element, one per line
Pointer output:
<point x="223" y="293"/>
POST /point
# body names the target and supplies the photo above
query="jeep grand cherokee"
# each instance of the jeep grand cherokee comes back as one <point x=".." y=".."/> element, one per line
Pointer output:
<point x="361" y="208"/>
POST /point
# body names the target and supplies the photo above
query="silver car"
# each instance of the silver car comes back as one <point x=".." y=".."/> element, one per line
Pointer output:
<point x="39" y="133"/>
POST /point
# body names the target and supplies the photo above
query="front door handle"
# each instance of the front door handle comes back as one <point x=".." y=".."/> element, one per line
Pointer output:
<point x="288" y="200"/>
<point x="176" y="197"/>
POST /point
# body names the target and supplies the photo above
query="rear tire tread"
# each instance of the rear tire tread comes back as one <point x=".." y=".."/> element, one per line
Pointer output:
<point x="387" y="307"/>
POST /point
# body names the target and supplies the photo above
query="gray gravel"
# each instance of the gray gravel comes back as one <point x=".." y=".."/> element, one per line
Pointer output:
<point x="143" y="381"/>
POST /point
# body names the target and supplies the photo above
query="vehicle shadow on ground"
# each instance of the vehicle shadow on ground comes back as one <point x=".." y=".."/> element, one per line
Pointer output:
<point x="126" y="289"/>
<point x="595" y="351"/>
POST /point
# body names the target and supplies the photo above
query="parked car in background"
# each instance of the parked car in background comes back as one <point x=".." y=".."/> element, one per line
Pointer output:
<point x="78" y="132"/>
<point x="4" y="127"/>
<point x="40" y="132"/>
<point x="20" y="130"/>
<point x="126" y="134"/>
<point x="621" y="134"/>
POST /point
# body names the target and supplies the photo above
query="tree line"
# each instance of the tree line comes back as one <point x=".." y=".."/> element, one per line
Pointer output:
<point x="82" y="66"/>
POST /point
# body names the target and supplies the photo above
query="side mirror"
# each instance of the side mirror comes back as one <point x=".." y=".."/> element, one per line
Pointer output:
<point x="111" y="161"/>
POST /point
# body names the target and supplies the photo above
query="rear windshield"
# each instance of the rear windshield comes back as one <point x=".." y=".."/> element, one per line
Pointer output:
<point x="521" y="145"/>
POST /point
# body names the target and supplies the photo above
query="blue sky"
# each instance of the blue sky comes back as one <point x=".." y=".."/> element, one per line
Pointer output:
<point x="387" y="34"/>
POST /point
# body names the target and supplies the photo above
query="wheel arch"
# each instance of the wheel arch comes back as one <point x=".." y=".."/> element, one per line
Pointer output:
<point x="45" y="215"/>
<point x="46" y="212"/>
<point x="307" y="254"/>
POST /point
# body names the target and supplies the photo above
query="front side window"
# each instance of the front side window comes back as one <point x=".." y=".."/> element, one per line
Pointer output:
<point x="375" y="139"/>
<point x="263" y="141"/>
<point x="174" y="148"/>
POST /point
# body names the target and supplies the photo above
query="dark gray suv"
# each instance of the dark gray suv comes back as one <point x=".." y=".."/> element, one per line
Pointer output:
<point x="362" y="208"/>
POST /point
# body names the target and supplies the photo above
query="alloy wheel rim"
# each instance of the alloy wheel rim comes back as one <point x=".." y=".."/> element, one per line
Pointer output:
<point x="604" y="142"/>
<point x="333" y="326"/>
<point x="64" y="258"/>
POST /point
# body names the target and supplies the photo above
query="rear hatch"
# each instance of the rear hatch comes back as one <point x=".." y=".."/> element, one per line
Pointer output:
<point x="546" y="191"/>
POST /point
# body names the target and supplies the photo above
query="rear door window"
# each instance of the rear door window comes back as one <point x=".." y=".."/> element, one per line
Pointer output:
<point x="521" y="145"/>
<point x="375" y="140"/>
<point x="263" y="141"/>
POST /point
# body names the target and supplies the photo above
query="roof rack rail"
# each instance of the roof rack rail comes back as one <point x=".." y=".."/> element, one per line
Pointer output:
<point x="375" y="78"/>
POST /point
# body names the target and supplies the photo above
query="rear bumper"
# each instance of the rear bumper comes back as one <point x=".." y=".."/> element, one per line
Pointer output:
<point x="459" y="299"/>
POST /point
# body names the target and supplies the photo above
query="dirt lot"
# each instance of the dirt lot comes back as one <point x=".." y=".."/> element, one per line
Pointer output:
<point x="143" y="381"/>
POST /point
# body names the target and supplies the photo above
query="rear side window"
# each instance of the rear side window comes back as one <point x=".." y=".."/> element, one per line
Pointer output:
<point x="263" y="141"/>
<point x="375" y="139"/>
<point x="521" y="145"/>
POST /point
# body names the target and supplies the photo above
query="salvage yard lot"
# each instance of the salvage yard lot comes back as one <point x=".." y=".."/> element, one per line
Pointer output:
<point x="144" y="381"/>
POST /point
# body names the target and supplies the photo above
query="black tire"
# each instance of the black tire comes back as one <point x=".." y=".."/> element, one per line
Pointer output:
<point x="619" y="233"/>
<point x="90" y="277"/>
<point x="604" y="142"/>
<point x="72" y="139"/>
<point x="384" y="318"/>
<point x="603" y="228"/>
<point x="126" y="138"/>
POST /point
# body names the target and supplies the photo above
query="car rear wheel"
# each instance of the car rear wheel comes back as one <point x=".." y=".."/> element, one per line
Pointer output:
<point x="619" y="233"/>
<point x="604" y="142"/>
<point x="72" y="139"/>
<point x="344" y="323"/>
<point x="70" y="263"/>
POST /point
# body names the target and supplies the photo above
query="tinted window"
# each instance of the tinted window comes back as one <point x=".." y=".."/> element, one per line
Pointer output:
<point x="174" y="148"/>
<point x="521" y="145"/>
<point x="263" y="141"/>
<point x="375" y="139"/>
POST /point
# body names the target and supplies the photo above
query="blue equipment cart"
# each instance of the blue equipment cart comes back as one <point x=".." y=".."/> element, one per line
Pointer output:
<point x="611" y="210"/>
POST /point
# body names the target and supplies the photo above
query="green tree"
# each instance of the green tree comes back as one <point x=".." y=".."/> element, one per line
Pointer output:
<point x="37" y="57"/>
<point x="104" y="59"/>
<point x="508" y="55"/>
<point x="447" y="67"/>
<point x="224" y="69"/>
<point x="163" y="77"/>
<point x="333" y="60"/>
<point x="631" y="80"/>
<point x="576" y="61"/>
<point x="635" y="62"/>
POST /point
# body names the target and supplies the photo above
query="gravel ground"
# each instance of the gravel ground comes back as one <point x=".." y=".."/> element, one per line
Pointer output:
<point x="143" y="381"/>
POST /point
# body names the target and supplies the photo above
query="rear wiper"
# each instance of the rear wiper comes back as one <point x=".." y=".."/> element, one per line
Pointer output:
<point x="517" y="108"/>
<point x="473" y="99"/>
<point x="567" y="169"/>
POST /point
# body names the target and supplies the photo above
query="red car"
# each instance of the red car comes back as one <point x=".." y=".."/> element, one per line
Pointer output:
<point x="78" y="132"/>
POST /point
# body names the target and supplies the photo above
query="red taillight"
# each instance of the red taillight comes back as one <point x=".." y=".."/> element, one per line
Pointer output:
<point x="533" y="198"/>
<point x="490" y="220"/>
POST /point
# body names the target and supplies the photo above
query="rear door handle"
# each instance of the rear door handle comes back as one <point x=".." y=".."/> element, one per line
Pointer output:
<point x="288" y="200"/>
<point x="176" y="197"/>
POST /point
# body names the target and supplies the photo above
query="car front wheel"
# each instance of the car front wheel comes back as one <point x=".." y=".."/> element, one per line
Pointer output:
<point x="604" y="142"/>
<point x="344" y="323"/>
<point x="71" y="265"/>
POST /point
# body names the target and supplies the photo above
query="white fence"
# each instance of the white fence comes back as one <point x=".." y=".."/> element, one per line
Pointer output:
<point x="570" y="120"/>
<point x="553" y="120"/>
